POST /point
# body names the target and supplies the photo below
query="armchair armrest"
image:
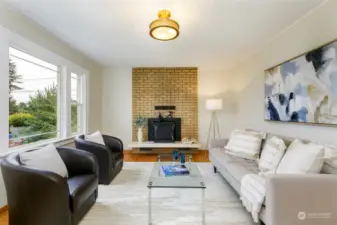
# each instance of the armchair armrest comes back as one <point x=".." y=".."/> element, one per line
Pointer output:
<point x="102" y="152"/>
<point x="218" y="143"/>
<point x="26" y="185"/>
<point x="114" y="144"/>
<point x="78" y="162"/>
<point x="294" y="198"/>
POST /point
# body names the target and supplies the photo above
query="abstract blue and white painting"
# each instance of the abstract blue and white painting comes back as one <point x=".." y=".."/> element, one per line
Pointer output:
<point x="304" y="89"/>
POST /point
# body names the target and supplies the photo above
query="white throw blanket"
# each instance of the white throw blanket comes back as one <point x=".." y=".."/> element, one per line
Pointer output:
<point x="253" y="193"/>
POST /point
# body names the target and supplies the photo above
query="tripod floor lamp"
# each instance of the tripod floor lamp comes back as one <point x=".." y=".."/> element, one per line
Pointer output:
<point x="213" y="105"/>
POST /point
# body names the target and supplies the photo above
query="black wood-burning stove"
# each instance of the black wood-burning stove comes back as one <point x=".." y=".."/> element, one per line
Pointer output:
<point x="164" y="130"/>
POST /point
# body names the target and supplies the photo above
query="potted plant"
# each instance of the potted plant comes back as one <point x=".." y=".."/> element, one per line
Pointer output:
<point x="140" y="123"/>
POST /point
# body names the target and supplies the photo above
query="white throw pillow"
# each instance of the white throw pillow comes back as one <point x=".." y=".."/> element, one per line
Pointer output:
<point x="245" y="144"/>
<point x="96" y="137"/>
<point x="271" y="155"/>
<point x="263" y="134"/>
<point x="330" y="161"/>
<point x="46" y="158"/>
<point x="302" y="158"/>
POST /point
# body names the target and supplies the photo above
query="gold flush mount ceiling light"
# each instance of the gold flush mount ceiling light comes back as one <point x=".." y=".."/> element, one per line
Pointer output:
<point x="163" y="28"/>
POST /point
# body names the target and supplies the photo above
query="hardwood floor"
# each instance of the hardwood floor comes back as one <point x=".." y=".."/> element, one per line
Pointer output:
<point x="4" y="217"/>
<point x="201" y="156"/>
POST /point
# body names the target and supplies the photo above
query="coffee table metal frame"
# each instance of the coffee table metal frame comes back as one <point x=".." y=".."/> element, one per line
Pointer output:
<point x="194" y="181"/>
<point x="162" y="156"/>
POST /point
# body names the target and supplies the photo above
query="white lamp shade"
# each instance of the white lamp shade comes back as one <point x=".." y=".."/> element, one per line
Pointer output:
<point x="213" y="104"/>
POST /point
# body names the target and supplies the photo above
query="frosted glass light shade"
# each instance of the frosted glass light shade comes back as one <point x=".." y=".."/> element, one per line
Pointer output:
<point x="164" y="28"/>
<point x="213" y="104"/>
<point x="164" y="33"/>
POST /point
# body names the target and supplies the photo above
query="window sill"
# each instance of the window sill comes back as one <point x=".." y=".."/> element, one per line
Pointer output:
<point x="56" y="142"/>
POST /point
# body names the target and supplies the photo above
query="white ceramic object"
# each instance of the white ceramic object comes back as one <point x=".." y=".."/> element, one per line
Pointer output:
<point x="140" y="135"/>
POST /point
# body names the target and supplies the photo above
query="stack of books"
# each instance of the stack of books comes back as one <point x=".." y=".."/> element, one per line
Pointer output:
<point x="175" y="170"/>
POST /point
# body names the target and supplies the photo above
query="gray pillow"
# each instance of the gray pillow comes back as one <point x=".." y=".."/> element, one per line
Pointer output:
<point x="46" y="158"/>
<point x="95" y="137"/>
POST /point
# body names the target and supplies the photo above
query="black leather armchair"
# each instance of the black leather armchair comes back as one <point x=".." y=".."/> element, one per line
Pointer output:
<point x="38" y="197"/>
<point x="110" y="157"/>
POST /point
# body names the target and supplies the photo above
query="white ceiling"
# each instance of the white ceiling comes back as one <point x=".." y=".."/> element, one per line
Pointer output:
<point x="215" y="34"/>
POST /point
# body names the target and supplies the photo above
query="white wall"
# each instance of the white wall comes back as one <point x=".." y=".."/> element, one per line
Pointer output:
<point x="117" y="102"/>
<point x="216" y="84"/>
<point x="316" y="29"/>
<point x="13" y="23"/>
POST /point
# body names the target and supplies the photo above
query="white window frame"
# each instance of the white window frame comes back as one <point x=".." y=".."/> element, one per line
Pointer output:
<point x="10" y="39"/>
<point x="81" y="93"/>
<point x="59" y="94"/>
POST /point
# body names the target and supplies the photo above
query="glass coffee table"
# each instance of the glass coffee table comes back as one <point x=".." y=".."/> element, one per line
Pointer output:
<point x="193" y="180"/>
<point x="168" y="157"/>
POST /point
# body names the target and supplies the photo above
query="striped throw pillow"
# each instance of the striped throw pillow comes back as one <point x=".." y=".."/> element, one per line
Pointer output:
<point x="330" y="161"/>
<point x="245" y="144"/>
<point x="330" y="158"/>
<point x="272" y="153"/>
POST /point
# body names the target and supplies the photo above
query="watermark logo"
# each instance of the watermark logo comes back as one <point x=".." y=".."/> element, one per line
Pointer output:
<point x="302" y="215"/>
<point x="314" y="215"/>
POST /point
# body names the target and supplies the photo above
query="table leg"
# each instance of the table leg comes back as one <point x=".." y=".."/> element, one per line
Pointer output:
<point x="150" y="212"/>
<point x="203" y="207"/>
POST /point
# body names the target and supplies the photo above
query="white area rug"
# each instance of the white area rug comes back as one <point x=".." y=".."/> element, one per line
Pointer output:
<point x="125" y="201"/>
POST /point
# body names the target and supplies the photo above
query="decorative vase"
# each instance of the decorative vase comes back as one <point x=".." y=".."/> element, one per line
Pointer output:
<point x="175" y="155"/>
<point x="182" y="158"/>
<point x="140" y="134"/>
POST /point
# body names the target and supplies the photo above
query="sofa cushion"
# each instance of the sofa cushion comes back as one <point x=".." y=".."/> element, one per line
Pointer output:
<point x="245" y="144"/>
<point x="80" y="189"/>
<point x="238" y="167"/>
<point x="220" y="155"/>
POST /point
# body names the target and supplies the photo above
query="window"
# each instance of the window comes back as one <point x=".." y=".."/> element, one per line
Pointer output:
<point x="33" y="94"/>
<point x="46" y="101"/>
<point x="76" y="103"/>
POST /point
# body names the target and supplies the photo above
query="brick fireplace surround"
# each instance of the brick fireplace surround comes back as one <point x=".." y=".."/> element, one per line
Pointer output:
<point x="162" y="87"/>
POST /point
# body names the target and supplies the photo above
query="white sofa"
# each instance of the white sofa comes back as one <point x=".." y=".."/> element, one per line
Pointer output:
<point x="290" y="199"/>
